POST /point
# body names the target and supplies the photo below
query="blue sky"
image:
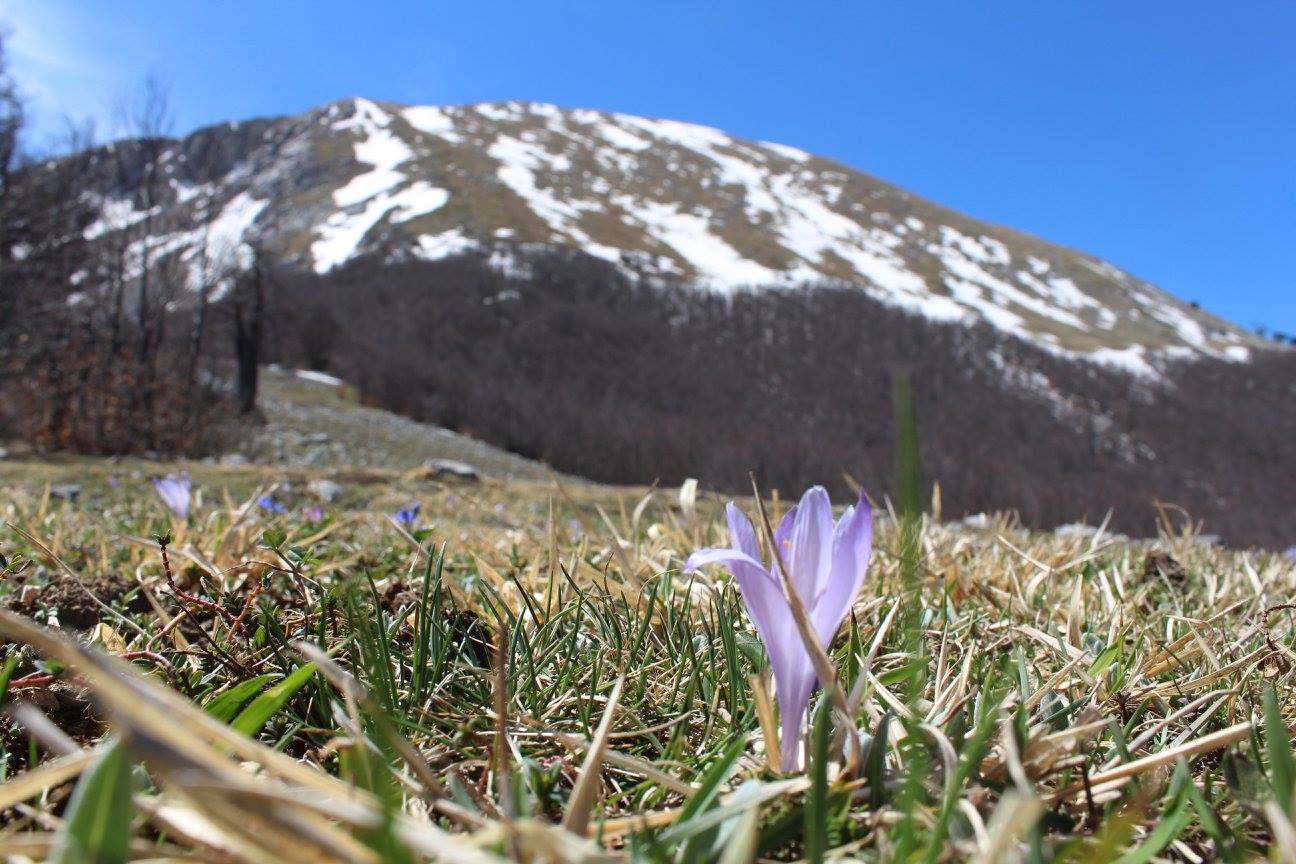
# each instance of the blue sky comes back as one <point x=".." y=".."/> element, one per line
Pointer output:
<point x="1159" y="135"/>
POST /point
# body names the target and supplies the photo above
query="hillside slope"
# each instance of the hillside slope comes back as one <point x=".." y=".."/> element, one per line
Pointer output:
<point x="662" y="201"/>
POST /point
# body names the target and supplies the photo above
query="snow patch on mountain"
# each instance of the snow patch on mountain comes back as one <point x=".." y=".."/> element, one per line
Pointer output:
<point x="373" y="191"/>
<point x="717" y="263"/>
<point x="661" y="200"/>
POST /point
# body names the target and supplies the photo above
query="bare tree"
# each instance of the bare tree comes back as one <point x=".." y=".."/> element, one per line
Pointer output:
<point x="106" y="356"/>
<point x="11" y="122"/>
<point x="248" y="305"/>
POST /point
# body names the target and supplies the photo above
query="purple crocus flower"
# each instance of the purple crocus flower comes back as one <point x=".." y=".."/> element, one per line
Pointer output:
<point x="174" y="492"/>
<point x="826" y="566"/>
<point x="407" y="516"/>
<point x="314" y="515"/>
<point x="271" y="505"/>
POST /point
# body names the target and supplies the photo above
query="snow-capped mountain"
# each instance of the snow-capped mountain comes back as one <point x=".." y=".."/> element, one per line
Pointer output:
<point x="663" y="201"/>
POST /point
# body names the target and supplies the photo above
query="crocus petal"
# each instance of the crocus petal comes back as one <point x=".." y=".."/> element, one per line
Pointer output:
<point x="762" y="592"/>
<point x="852" y="546"/>
<point x="783" y="537"/>
<point x="809" y="556"/>
<point x="742" y="536"/>
<point x="174" y="494"/>
<point x="794" y="688"/>
<point x="703" y="557"/>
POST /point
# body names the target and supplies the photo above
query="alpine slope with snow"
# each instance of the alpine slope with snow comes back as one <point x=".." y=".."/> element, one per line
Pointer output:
<point x="663" y="201"/>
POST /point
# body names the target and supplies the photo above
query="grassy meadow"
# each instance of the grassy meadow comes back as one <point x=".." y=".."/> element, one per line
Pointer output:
<point x="525" y="673"/>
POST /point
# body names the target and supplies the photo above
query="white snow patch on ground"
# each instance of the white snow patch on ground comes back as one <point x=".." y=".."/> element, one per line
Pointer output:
<point x="519" y="160"/>
<point x="417" y="199"/>
<point x="1110" y="271"/>
<point x="1132" y="359"/>
<point x="734" y="170"/>
<point x="586" y="117"/>
<point x="986" y="250"/>
<point x="186" y="192"/>
<point x="1182" y="323"/>
<point x="339" y="238"/>
<point x="970" y="295"/>
<point x="786" y="152"/>
<point x="506" y="262"/>
<point x="382" y="150"/>
<point x="1059" y="290"/>
<point x="967" y="279"/>
<point x="116" y="214"/>
<point x="717" y="264"/>
<point x="620" y="138"/>
<point x="318" y="377"/>
<point x="433" y="121"/>
<point x="227" y="233"/>
<point x="496" y="112"/>
<point x="433" y="247"/>
<point x="687" y="135"/>
<point x="1035" y="382"/>
<point x="1237" y="354"/>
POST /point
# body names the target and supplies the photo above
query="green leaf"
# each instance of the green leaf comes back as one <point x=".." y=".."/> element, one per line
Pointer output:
<point x="225" y="704"/>
<point x="1171" y="826"/>
<point x="1105" y="659"/>
<point x="1282" y="771"/>
<point x="97" y="826"/>
<point x="6" y="675"/>
<point x="816" y="809"/>
<point x="269" y="703"/>
<point x="705" y="796"/>
<point x="875" y="762"/>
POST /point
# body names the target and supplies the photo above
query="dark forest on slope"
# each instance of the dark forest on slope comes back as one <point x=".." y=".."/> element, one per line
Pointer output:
<point x="569" y="362"/>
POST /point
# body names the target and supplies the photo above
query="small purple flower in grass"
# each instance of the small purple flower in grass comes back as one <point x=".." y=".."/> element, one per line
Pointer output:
<point x="826" y="566"/>
<point x="270" y="505"/>
<point x="174" y="492"/>
<point x="1291" y="554"/>
<point x="407" y="516"/>
<point x="314" y="515"/>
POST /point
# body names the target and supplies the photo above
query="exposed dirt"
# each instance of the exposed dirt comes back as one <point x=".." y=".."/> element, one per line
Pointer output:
<point x="74" y="600"/>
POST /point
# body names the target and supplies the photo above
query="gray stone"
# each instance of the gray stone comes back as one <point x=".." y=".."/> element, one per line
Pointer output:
<point x="451" y="468"/>
<point x="325" y="490"/>
<point x="65" y="491"/>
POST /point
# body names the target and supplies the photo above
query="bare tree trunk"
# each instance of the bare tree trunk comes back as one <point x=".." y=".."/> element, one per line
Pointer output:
<point x="248" y="316"/>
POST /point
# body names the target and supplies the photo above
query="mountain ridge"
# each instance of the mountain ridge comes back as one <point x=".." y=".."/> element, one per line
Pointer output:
<point x="662" y="200"/>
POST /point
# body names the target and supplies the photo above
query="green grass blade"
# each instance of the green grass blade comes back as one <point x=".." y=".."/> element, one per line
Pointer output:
<point x="816" y="810"/>
<point x="269" y="703"/>
<point x="225" y="705"/>
<point x="1282" y="771"/>
<point x="97" y="825"/>
<point x="6" y="675"/>
<point x="1172" y="824"/>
